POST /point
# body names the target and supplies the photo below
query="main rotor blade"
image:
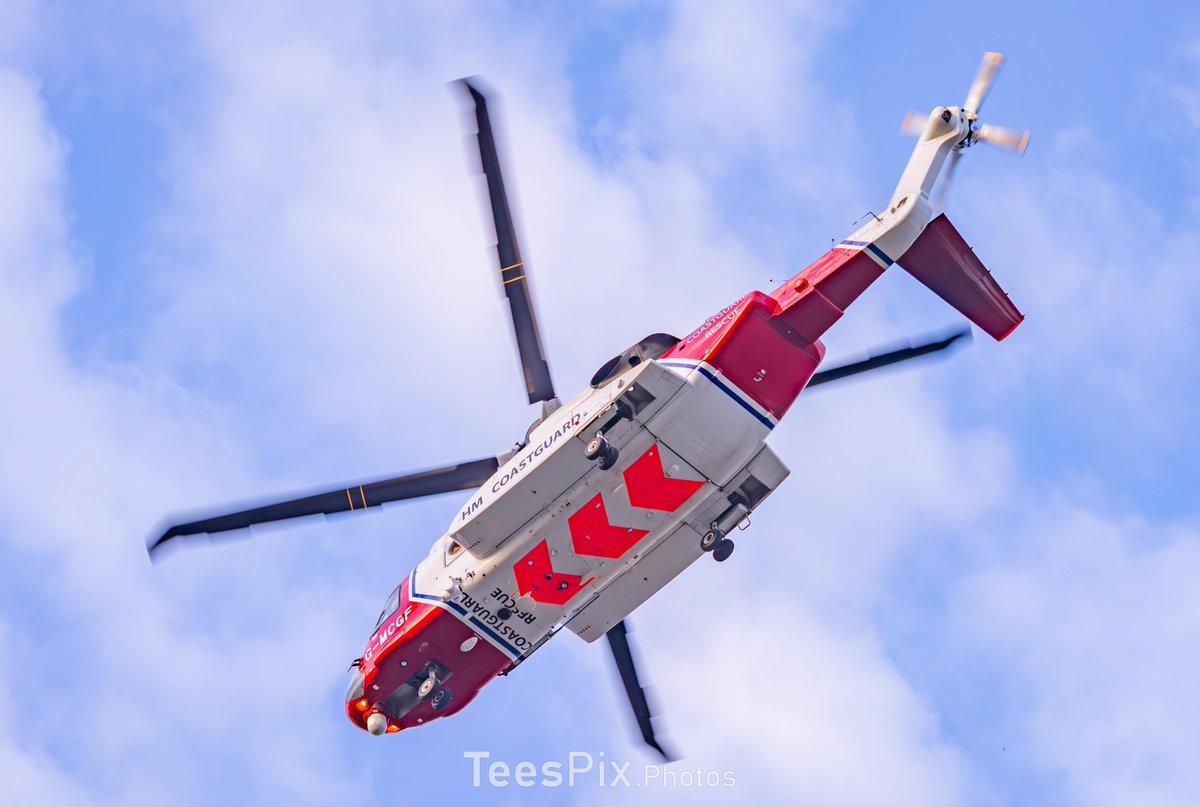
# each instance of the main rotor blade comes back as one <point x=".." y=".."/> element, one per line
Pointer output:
<point x="884" y="359"/>
<point x="513" y="275"/>
<point x="982" y="83"/>
<point x="464" y="476"/>
<point x="618" y="641"/>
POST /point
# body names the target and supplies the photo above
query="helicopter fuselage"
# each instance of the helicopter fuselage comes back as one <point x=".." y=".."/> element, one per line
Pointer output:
<point x="614" y="494"/>
<point x="558" y="538"/>
<point x="567" y="535"/>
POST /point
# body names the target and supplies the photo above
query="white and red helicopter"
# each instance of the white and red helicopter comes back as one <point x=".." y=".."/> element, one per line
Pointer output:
<point x="615" y="492"/>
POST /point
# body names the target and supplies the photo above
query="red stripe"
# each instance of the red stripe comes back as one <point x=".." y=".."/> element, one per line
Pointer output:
<point x="650" y="488"/>
<point x="592" y="534"/>
<point x="536" y="577"/>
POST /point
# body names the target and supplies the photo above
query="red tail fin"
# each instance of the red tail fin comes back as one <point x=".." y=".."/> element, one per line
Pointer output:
<point x="941" y="259"/>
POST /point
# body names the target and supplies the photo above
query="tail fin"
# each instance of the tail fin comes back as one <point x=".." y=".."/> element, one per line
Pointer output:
<point x="941" y="259"/>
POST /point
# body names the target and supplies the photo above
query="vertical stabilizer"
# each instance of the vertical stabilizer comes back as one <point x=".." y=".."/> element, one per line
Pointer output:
<point x="941" y="259"/>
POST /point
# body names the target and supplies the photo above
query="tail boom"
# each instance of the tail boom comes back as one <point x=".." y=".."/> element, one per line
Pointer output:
<point x="768" y="346"/>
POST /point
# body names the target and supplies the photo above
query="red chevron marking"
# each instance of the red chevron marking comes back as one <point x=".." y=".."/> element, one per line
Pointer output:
<point x="652" y="489"/>
<point x="594" y="536"/>
<point x="537" y="578"/>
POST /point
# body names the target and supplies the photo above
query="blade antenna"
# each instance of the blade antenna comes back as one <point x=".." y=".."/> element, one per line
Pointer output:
<point x="618" y="641"/>
<point x="513" y="275"/>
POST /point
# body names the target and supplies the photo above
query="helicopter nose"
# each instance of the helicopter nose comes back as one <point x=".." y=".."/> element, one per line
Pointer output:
<point x="377" y="723"/>
<point x="366" y="715"/>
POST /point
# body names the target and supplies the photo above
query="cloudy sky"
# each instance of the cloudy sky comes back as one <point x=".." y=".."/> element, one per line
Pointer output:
<point x="241" y="252"/>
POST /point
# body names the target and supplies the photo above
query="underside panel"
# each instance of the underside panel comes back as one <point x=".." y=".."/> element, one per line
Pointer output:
<point x="660" y="566"/>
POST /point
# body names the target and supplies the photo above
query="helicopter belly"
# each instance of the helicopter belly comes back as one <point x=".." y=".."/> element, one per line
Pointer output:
<point x="629" y="589"/>
<point x="661" y="563"/>
<point x="714" y="425"/>
<point x="574" y="560"/>
<point x="553" y="460"/>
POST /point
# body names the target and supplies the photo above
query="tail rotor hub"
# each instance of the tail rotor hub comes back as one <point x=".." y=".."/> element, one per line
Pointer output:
<point x="969" y="125"/>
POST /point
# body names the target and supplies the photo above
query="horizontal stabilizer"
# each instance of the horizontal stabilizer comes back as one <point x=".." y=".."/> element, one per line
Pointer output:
<point x="941" y="259"/>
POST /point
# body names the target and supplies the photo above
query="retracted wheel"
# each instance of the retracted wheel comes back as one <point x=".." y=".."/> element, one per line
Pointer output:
<point x="723" y="550"/>
<point x="711" y="539"/>
<point x="610" y="458"/>
<point x="597" y="448"/>
<point x="427" y="687"/>
<point x="441" y="698"/>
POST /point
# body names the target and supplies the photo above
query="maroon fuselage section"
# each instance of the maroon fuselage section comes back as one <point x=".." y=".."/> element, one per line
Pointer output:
<point x="414" y="641"/>
<point x="770" y="345"/>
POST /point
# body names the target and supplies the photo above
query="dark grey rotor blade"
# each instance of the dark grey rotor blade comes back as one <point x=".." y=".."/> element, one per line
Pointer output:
<point x="513" y="275"/>
<point x="884" y="359"/>
<point x="464" y="476"/>
<point x="619" y="642"/>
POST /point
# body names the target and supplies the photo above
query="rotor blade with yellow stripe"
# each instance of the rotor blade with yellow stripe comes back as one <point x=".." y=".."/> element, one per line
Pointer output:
<point x="464" y="476"/>
<point x="513" y="276"/>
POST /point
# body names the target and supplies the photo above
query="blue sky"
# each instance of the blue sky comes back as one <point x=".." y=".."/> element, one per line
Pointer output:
<point x="241" y="252"/>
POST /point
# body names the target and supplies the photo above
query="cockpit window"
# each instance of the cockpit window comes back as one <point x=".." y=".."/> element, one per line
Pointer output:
<point x="453" y="549"/>
<point x="653" y="346"/>
<point x="355" y="690"/>
<point x="393" y="605"/>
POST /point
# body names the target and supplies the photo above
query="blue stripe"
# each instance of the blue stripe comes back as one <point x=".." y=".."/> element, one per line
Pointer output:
<point x="725" y="389"/>
<point x="512" y="650"/>
<point x="413" y="595"/>
<point x="879" y="253"/>
<point x="876" y="251"/>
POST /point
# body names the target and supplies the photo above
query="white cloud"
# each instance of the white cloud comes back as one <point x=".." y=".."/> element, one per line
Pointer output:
<point x="1090" y="619"/>
<point x="726" y="86"/>
<point x="794" y="702"/>
<point x="114" y="664"/>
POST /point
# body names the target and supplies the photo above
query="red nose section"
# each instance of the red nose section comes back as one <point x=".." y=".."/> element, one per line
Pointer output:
<point x="422" y="663"/>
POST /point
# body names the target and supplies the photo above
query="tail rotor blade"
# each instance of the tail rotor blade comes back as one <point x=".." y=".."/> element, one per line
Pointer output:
<point x="914" y="123"/>
<point x="464" y="476"/>
<point x="942" y="191"/>
<point x="513" y="275"/>
<point x="983" y="81"/>
<point x="618" y="641"/>
<point x="1003" y="138"/>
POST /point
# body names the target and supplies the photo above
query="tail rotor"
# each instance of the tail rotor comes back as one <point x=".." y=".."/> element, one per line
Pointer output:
<point x="1011" y="140"/>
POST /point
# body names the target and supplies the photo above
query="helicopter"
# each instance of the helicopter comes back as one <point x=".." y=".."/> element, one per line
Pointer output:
<point x="614" y="492"/>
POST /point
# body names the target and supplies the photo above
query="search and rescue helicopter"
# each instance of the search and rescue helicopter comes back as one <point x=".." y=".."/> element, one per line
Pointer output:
<point x="615" y="492"/>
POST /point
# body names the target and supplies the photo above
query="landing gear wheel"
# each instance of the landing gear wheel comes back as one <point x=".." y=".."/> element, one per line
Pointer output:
<point x="711" y="539"/>
<point x="610" y="458"/>
<point x="597" y="448"/>
<point x="441" y="698"/>
<point x="427" y="687"/>
<point x="723" y="550"/>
